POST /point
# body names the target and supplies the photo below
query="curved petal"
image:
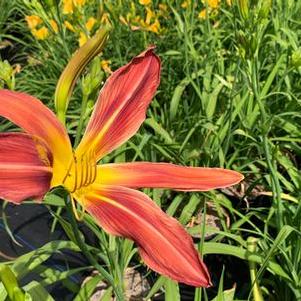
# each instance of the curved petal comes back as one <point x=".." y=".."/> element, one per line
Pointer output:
<point x="25" y="167"/>
<point x="122" y="104"/>
<point x="163" y="243"/>
<point x="36" y="119"/>
<point x="165" y="175"/>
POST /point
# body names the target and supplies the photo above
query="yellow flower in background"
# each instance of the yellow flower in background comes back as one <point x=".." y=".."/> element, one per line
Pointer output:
<point x="185" y="3"/>
<point x="40" y="34"/>
<point x="155" y="27"/>
<point x="69" y="26"/>
<point x="123" y="20"/>
<point x="149" y="21"/>
<point x="105" y="66"/>
<point x="79" y="2"/>
<point x="163" y="7"/>
<point x="149" y="15"/>
<point x="90" y="23"/>
<point x="105" y="18"/>
<point x="33" y="21"/>
<point x="203" y="14"/>
<point x="229" y="2"/>
<point x="145" y="2"/>
<point x="212" y="3"/>
<point x="82" y="39"/>
<point x="54" y="26"/>
<point x="67" y="7"/>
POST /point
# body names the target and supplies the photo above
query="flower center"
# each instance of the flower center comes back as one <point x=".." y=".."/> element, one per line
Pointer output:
<point x="81" y="173"/>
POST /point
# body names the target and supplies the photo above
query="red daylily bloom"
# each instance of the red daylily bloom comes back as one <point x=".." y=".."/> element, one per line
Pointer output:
<point x="33" y="162"/>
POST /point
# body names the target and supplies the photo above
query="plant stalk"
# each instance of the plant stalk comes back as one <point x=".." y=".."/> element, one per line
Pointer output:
<point x="82" y="245"/>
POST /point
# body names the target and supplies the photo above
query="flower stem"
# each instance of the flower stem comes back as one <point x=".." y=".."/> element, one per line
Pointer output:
<point x="82" y="245"/>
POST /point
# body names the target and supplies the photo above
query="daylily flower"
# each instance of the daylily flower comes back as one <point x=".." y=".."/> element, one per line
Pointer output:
<point x="33" y="162"/>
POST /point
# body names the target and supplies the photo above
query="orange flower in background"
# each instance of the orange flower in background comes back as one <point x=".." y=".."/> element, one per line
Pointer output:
<point x="67" y="7"/>
<point x="203" y="14"/>
<point x="82" y="39"/>
<point x="145" y="2"/>
<point x="90" y="23"/>
<point x="40" y="34"/>
<point x="31" y="163"/>
<point x="69" y="26"/>
<point x="212" y="3"/>
<point x="33" y="21"/>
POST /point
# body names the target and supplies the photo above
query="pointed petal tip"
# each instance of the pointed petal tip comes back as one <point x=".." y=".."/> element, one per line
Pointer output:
<point x="166" y="175"/>
<point x="122" y="103"/>
<point x="163" y="243"/>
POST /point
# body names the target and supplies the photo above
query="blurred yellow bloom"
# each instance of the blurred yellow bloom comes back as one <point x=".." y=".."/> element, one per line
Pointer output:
<point x="155" y="27"/>
<point x="149" y="15"/>
<point x="105" y="66"/>
<point x="229" y="2"/>
<point x="40" y="34"/>
<point x="90" y="23"/>
<point x="203" y="14"/>
<point x="145" y="2"/>
<point x="54" y="26"/>
<point x="212" y="3"/>
<point x="17" y="68"/>
<point x="79" y="2"/>
<point x="123" y="20"/>
<point x="105" y="18"/>
<point x="163" y="7"/>
<point x="33" y="21"/>
<point x="67" y="7"/>
<point x="185" y="3"/>
<point x="69" y="26"/>
<point x="82" y="38"/>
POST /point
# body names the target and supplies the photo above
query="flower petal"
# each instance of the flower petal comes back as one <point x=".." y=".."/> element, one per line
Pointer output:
<point x="163" y="243"/>
<point x="122" y="104"/>
<point x="25" y="167"/>
<point x="165" y="175"/>
<point x="36" y="119"/>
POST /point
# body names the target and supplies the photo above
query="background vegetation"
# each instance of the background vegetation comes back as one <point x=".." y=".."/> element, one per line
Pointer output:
<point x="229" y="97"/>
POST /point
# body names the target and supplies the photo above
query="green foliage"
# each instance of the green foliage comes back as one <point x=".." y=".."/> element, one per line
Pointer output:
<point x="229" y="97"/>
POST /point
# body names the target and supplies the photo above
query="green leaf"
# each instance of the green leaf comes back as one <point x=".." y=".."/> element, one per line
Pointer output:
<point x="88" y="288"/>
<point x="172" y="292"/>
<point x="221" y="248"/>
<point x="159" y="130"/>
<point x="36" y="292"/>
<point x="156" y="287"/>
<point x="28" y="262"/>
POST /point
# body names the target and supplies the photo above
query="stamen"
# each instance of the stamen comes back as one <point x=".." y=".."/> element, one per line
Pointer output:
<point x="75" y="175"/>
<point x="74" y="208"/>
<point x="68" y="170"/>
<point x="88" y="172"/>
<point x="94" y="169"/>
<point x="82" y="173"/>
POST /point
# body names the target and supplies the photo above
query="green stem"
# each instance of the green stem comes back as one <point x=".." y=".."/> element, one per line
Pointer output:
<point x="252" y="246"/>
<point x="81" y="119"/>
<point x="82" y="245"/>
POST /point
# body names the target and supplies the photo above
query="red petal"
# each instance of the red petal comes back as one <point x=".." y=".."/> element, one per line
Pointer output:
<point x="25" y="167"/>
<point x="122" y="104"/>
<point x="165" y="175"/>
<point x="36" y="119"/>
<point x="163" y="243"/>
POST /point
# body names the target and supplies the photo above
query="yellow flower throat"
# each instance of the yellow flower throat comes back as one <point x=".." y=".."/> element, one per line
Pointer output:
<point x="81" y="173"/>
